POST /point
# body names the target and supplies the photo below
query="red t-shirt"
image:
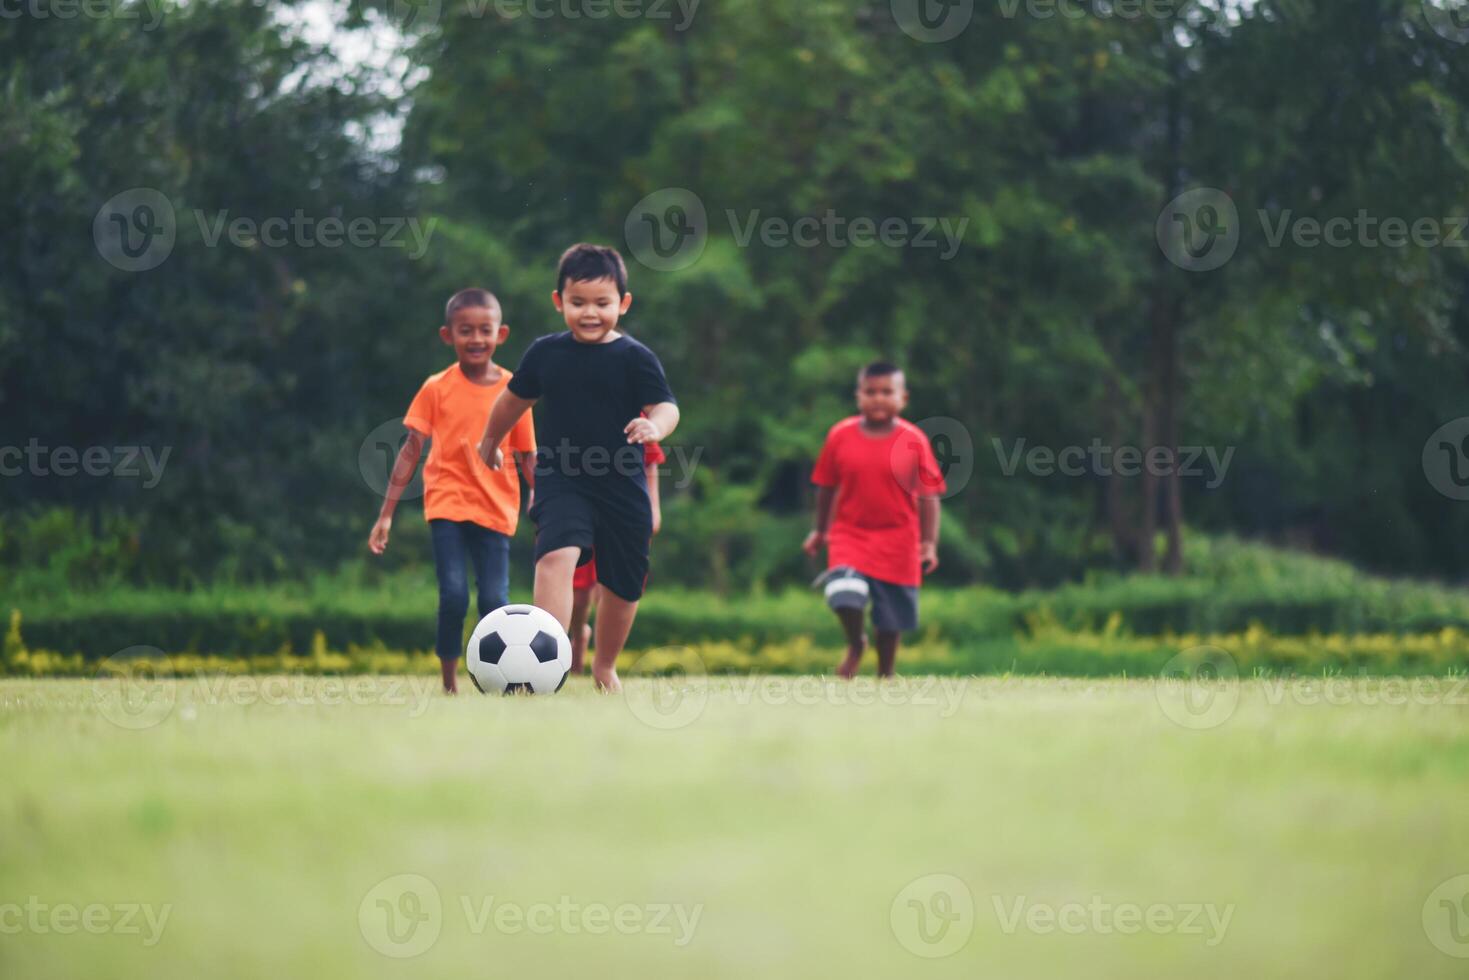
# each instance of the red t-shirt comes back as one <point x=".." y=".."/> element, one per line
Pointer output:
<point x="879" y="480"/>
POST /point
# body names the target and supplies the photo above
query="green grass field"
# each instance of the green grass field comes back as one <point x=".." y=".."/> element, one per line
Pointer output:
<point x="755" y="826"/>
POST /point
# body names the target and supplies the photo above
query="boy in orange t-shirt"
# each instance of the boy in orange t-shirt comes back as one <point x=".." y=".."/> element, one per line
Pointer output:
<point x="472" y="510"/>
<point x="877" y="513"/>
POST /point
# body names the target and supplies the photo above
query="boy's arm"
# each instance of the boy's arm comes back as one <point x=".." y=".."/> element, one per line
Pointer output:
<point x="402" y="475"/>
<point x="658" y="425"/>
<point x="825" y="498"/>
<point x="527" y="463"/>
<point x="928" y="533"/>
<point x="508" y="408"/>
<point x="651" y="471"/>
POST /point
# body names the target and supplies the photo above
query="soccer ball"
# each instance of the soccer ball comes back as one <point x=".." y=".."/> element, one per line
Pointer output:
<point x="518" y="649"/>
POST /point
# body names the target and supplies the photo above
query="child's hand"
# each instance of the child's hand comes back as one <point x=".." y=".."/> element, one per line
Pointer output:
<point x="813" y="544"/>
<point x="657" y="519"/>
<point x="377" y="541"/>
<point x="493" y="459"/>
<point x="928" y="557"/>
<point x="642" y="430"/>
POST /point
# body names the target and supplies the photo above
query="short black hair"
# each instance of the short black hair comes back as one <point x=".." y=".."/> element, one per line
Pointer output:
<point x="878" y="369"/>
<point x="584" y="262"/>
<point x="466" y="298"/>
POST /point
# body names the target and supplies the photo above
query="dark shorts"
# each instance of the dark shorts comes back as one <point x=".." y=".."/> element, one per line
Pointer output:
<point x="617" y="529"/>
<point x="894" y="607"/>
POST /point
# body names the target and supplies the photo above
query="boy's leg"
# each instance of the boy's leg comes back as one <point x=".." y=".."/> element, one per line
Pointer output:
<point x="489" y="552"/>
<point x="887" y="652"/>
<point x="894" y="612"/>
<point x="856" y="641"/>
<point x="580" y="632"/>
<point x="553" y="583"/>
<point x="453" y="597"/>
<point x="623" y="529"/>
<point x="614" y="623"/>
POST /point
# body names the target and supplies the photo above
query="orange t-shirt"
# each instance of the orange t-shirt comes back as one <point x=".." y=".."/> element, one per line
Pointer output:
<point x="457" y="485"/>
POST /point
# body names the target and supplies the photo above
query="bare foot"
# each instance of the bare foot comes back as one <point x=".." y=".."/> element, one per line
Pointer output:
<point x="847" y="669"/>
<point x="449" y="669"/>
<point x="608" y="681"/>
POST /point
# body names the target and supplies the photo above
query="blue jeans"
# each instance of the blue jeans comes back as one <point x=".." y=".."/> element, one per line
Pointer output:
<point x="454" y="541"/>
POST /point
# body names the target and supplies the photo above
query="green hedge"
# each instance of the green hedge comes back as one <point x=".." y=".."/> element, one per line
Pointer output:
<point x="400" y="615"/>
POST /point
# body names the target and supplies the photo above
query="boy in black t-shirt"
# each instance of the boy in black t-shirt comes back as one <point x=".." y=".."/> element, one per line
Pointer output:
<point x="593" y="385"/>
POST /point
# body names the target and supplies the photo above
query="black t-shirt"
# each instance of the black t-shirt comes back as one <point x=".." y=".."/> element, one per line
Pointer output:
<point x="587" y="394"/>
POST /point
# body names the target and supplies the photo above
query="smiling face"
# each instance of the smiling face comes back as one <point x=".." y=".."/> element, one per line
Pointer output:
<point x="882" y="398"/>
<point x="474" y="332"/>
<point x="592" y="308"/>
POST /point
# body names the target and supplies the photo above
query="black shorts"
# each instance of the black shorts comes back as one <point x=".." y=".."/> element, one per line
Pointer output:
<point x="617" y="528"/>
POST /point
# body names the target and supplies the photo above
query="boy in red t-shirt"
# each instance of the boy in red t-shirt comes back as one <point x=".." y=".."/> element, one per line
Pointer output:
<point x="584" y="582"/>
<point x="879" y="476"/>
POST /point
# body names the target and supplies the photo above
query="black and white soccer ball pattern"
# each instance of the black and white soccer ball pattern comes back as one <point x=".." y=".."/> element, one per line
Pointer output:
<point x="518" y="649"/>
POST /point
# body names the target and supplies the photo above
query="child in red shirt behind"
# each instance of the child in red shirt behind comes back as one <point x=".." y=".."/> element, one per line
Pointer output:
<point x="877" y="513"/>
